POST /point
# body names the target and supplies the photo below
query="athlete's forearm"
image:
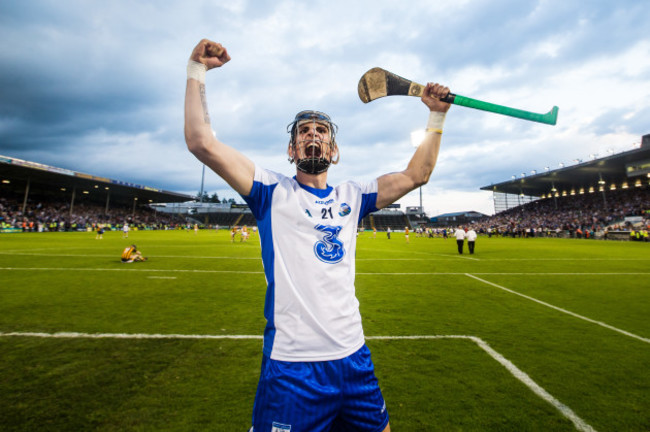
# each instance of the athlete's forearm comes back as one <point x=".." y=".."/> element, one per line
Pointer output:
<point x="392" y="187"/>
<point x="424" y="159"/>
<point x="197" y="118"/>
<point x="228" y="163"/>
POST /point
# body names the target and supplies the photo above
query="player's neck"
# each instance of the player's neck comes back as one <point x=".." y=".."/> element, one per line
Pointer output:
<point x="316" y="181"/>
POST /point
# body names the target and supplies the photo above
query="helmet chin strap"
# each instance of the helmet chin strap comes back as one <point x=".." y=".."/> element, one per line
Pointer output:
<point x="313" y="165"/>
<point x="310" y="163"/>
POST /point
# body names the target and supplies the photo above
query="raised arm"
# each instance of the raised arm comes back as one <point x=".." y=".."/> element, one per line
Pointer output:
<point x="235" y="168"/>
<point x="393" y="186"/>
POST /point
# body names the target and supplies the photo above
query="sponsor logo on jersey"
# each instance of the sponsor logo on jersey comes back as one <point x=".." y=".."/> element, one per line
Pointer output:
<point x="279" y="427"/>
<point x="330" y="248"/>
<point x="344" y="210"/>
<point x="329" y="201"/>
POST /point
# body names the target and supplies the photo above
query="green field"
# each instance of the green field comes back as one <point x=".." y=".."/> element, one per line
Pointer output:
<point x="552" y="334"/>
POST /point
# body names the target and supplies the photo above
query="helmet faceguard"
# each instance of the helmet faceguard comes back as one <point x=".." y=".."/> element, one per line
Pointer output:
<point x="312" y="144"/>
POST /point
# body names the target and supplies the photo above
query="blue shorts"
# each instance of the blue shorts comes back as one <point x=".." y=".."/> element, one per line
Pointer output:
<point x="337" y="395"/>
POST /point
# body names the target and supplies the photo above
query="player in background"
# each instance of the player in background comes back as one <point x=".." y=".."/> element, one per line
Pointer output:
<point x="316" y="373"/>
<point x="132" y="254"/>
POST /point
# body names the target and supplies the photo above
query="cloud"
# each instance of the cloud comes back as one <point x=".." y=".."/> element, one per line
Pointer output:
<point x="99" y="87"/>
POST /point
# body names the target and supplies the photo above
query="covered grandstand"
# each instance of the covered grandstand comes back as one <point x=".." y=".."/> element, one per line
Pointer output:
<point x="603" y="198"/>
<point x="457" y="218"/>
<point x="27" y="180"/>
<point x="38" y="197"/>
<point x="630" y="169"/>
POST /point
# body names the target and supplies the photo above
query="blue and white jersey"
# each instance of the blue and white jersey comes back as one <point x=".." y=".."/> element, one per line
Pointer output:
<point x="308" y="239"/>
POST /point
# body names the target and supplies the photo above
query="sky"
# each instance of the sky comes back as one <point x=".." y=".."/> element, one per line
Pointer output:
<point x="98" y="86"/>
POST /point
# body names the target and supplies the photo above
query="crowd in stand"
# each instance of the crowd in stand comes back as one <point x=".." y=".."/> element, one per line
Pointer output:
<point x="587" y="215"/>
<point x="51" y="216"/>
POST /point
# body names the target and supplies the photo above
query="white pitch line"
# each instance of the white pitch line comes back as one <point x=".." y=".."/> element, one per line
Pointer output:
<point x="568" y="312"/>
<point x="500" y="273"/>
<point x="579" y="423"/>
<point x="567" y="412"/>
<point x="77" y="335"/>
<point x="428" y="257"/>
<point x="257" y="258"/>
<point x="142" y="269"/>
<point x="565" y="274"/>
<point x="130" y="269"/>
<point x="113" y="256"/>
<point x="566" y="259"/>
<point x="463" y="257"/>
<point x="17" y="251"/>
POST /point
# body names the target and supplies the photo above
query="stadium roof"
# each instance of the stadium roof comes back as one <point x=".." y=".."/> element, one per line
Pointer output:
<point x="467" y="214"/>
<point x="623" y="168"/>
<point x="16" y="174"/>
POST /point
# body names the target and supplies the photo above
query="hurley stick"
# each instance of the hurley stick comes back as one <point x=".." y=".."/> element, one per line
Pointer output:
<point x="377" y="83"/>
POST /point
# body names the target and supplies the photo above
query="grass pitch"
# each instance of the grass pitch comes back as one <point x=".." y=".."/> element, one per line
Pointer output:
<point x="565" y="322"/>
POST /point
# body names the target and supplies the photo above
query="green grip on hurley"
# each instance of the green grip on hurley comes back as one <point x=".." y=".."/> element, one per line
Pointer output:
<point x="548" y="118"/>
<point x="378" y="82"/>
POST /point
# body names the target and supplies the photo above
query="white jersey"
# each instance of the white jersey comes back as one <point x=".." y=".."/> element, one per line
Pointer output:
<point x="308" y="239"/>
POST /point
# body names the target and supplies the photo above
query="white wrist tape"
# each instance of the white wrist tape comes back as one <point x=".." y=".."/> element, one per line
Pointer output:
<point x="436" y="121"/>
<point x="196" y="70"/>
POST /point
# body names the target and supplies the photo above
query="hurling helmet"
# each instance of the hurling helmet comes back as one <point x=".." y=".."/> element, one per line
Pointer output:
<point x="317" y="157"/>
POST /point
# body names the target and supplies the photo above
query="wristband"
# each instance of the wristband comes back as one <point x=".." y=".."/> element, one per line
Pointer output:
<point x="436" y="121"/>
<point x="196" y="70"/>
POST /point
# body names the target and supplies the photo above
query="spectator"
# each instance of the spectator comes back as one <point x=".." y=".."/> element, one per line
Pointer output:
<point x="471" y="240"/>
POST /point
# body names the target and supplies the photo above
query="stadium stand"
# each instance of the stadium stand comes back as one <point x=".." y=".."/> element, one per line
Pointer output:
<point x="383" y="219"/>
<point x="605" y="197"/>
<point x="590" y="215"/>
<point x="456" y="218"/>
<point x="224" y="219"/>
<point x="40" y="216"/>
<point x="569" y="202"/>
